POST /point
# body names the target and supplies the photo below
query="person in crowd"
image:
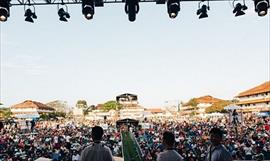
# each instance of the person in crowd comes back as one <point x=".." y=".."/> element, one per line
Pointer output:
<point x="169" y="154"/>
<point x="235" y="117"/>
<point x="98" y="151"/>
<point x="216" y="151"/>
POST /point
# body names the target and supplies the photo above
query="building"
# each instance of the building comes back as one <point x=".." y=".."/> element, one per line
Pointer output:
<point x="30" y="109"/>
<point x="60" y="106"/>
<point x="153" y="112"/>
<point x="102" y="115"/>
<point x="201" y="104"/>
<point x="256" y="99"/>
<point x="130" y="107"/>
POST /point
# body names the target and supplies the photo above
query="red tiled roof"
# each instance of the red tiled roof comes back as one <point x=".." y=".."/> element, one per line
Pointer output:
<point x="154" y="110"/>
<point x="207" y="99"/>
<point x="262" y="88"/>
<point x="32" y="104"/>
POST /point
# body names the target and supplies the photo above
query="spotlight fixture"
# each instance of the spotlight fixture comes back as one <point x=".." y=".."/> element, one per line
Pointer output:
<point x="132" y="8"/>
<point x="88" y="9"/>
<point x="30" y="15"/>
<point x="63" y="15"/>
<point x="239" y="9"/>
<point x="173" y="7"/>
<point x="4" y="10"/>
<point x="261" y="7"/>
<point x="202" y="11"/>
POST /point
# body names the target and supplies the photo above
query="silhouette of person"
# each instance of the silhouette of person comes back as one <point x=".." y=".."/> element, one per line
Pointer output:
<point x="97" y="151"/>
<point x="235" y="117"/>
<point x="216" y="151"/>
<point x="169" y="154"/>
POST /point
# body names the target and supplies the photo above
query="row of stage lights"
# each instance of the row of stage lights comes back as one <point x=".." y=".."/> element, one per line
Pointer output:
<point x="131" y="8"/>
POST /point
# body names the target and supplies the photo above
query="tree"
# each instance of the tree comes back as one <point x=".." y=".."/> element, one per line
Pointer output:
<point x="81" y="104"/>
<point x="111" y="105"/>
<point x="5" y="113"/>
<point x="192" y="102"/>
<point x="218" y="107"/>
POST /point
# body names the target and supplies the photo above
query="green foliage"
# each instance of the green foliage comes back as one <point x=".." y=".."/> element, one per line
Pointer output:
<point x="53" y="115"/>
<point x="192" y="102"/>
<point x="111" y="105"/>
<point x="5" y="113"/>
<point x="81" y="104"/>
<point x="218" y="107"/>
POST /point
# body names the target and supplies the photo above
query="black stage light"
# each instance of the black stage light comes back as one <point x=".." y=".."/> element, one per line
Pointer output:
<point x="88" y="9"/>
<point x="63" y="15"/>
<point x="238" y="9"/>
<point x="4" y="10"/>
<point x="203" y="11"/>
<point x="173" y="7"/>
<point x="261" y="7"/>
<point x="30" y="15"/>
<point x="132" y="8"/>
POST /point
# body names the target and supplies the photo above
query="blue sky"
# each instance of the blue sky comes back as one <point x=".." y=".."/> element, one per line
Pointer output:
<point x="155" y="57"/>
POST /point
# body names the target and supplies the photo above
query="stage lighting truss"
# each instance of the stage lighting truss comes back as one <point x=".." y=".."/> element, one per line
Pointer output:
<point x="131" y="7"/>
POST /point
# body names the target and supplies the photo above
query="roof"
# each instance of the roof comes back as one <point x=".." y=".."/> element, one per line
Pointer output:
<point x="32" y="104"/>
<point x="207" y="99"/>
<point x="262" y="100"/>
<point x="154" y="110"/>
<point x="127" y="97"/>
<point x="262" y="88"/>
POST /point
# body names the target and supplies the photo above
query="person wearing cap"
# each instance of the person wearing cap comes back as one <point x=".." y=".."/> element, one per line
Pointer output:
<point x="98" y="151"/>
<point x="216" y="151"/>
<point x="169" y="154"/>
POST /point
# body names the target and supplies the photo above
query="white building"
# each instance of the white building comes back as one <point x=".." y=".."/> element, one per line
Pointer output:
<point x="130" y="107"/>
<point x="202" y="103"/>
<point x="256" y="99"/>
<point x="30" y="108"/>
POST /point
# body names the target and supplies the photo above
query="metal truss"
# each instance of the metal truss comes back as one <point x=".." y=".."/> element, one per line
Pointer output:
<point x="62" y="2"/>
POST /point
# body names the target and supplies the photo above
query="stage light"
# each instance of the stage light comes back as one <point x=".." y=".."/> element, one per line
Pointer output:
<point x="30" y="15"/>
<point x="239" y="8"/>
<point x="132" y="8"/>
<point x="88" y="9"/>
<point x="202" y="11"/>
<point x="261" y="7"/>
<point x="4" y="10"/>
<point x="173" y="7"/>
<point x="63" y="15"/>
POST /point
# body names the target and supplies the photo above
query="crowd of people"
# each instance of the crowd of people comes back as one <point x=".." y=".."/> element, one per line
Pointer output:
<point x="65" y="140"/>
<point x="58" y="140"/>
<point x="244" y="142"/>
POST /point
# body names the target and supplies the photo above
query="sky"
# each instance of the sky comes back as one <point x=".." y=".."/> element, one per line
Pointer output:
<point x="158" y="58"/>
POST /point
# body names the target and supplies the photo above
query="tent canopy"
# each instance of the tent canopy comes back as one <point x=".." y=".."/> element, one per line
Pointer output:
<point x="127" y="121"/>
<point x="232" y="107"/>
<point x="27" y="116"/>
<point x="263" y="114"/>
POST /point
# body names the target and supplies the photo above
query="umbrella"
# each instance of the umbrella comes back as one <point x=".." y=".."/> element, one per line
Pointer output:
<point x="232" y="107"/>
<point x="25" y="116"/>
<point x="43" y="159"/>
<point x="263" y="114"/>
